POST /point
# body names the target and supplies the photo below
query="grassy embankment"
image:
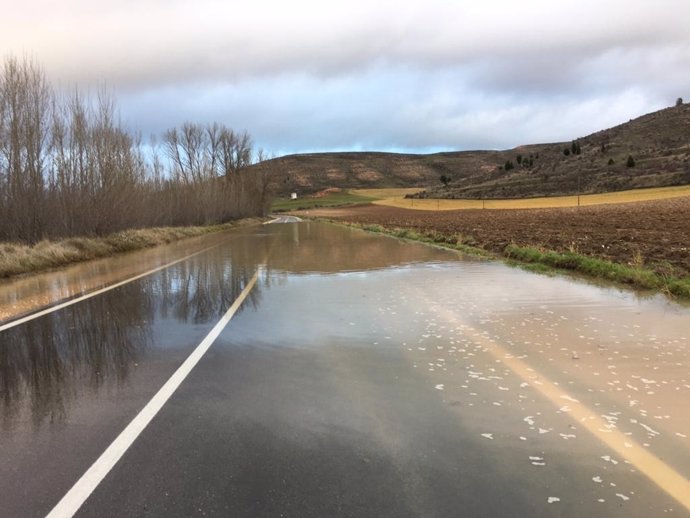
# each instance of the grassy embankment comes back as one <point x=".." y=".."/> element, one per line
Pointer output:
<point x="16" y="258"/>
<point x="635" y="276"/>
<point x="334" y="199"/>
<point x="548" y="261"/>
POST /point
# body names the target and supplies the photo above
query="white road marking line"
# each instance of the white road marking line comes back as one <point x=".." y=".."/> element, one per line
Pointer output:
<point x="50" y="309"/>
<point x="284" y="219"/>
<point x="76" y="496"/>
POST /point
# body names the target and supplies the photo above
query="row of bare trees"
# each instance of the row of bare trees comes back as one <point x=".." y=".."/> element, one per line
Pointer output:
<point x="68" y="167"/>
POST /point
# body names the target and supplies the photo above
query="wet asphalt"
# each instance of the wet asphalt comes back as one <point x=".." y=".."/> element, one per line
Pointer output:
<point x="357" y="379"/>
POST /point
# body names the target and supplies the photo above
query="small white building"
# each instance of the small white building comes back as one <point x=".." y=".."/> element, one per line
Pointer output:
<point x="293" y="196"/>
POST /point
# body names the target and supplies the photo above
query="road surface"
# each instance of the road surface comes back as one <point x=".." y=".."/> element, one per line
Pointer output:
<point x="311" y="370"/>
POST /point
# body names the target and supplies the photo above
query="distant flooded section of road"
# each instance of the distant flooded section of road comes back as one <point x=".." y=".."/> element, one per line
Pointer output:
<point x="331" y="372"/>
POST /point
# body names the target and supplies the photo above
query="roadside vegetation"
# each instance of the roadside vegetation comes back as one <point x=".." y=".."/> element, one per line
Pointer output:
<point x="68" y="167"/>
<point x="636" y="276"/>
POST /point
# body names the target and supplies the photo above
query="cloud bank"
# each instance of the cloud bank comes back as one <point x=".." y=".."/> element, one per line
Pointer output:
<point x="410" y="76"/>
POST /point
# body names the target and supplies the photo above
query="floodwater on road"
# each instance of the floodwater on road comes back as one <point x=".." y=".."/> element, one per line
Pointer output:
<point x="363" y="376"/>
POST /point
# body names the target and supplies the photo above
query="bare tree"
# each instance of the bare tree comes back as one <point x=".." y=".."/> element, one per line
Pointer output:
<point x="26" y="103"/>
<point x="68" y="167"/>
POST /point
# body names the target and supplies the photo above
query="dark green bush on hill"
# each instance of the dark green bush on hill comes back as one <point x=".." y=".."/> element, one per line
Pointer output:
<point x="630" y="162"/>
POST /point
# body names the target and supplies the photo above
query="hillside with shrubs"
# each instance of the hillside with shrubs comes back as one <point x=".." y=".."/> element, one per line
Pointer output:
<point x="649" y="151"/>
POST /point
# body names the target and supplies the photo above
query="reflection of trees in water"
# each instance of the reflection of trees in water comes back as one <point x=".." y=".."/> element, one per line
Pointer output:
<point x="202" y="291"/>
<point x="47" y="363"/>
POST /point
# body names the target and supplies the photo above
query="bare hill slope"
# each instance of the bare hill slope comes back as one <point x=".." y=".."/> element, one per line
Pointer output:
<point x="659" y="144"/>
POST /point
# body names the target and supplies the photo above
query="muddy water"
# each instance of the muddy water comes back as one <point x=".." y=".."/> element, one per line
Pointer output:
<point x="418" y="381"/>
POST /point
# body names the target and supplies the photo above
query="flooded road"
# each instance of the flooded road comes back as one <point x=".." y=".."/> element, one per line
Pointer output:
<point x="361" y="376"/>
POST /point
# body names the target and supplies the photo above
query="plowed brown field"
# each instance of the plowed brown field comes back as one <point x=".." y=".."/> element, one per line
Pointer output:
<point x="655" y="232"/>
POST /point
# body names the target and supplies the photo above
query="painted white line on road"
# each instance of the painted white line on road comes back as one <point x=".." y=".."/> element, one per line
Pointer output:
<point x="76" y="496"/>
<point x="284" y="219"/>
<point x="50" y="309"/>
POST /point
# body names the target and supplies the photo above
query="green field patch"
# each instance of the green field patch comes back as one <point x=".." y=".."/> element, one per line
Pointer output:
<point x="635" y="276"/>
<point x="334" y="199"/>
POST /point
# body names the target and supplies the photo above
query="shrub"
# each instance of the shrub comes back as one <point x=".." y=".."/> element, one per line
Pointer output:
<point x="611" y="161"/>
<point x="630" y="162"/>
<point x="566" y="151"/>
<point x="509" y="165"/>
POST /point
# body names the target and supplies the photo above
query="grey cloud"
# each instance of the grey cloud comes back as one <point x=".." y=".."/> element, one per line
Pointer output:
<point x="149" y="42"/>
<point x="370" y="75"/>
<point x="388" y="109"/>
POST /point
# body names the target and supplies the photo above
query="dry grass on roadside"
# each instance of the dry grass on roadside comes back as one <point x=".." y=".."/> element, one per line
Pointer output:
<point x="16" y="259"/>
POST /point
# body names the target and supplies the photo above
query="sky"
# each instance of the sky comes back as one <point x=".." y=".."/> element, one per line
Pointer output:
<point x="407" y="76"/>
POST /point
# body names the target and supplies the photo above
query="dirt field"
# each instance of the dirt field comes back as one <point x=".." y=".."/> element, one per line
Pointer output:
<point x="656" y="233"/>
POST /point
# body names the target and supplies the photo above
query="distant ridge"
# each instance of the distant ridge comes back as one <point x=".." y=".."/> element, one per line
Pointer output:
<point x="659" y="144"/>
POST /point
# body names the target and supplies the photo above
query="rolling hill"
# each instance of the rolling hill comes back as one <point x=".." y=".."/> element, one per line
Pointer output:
<point x="659" y="144"/>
